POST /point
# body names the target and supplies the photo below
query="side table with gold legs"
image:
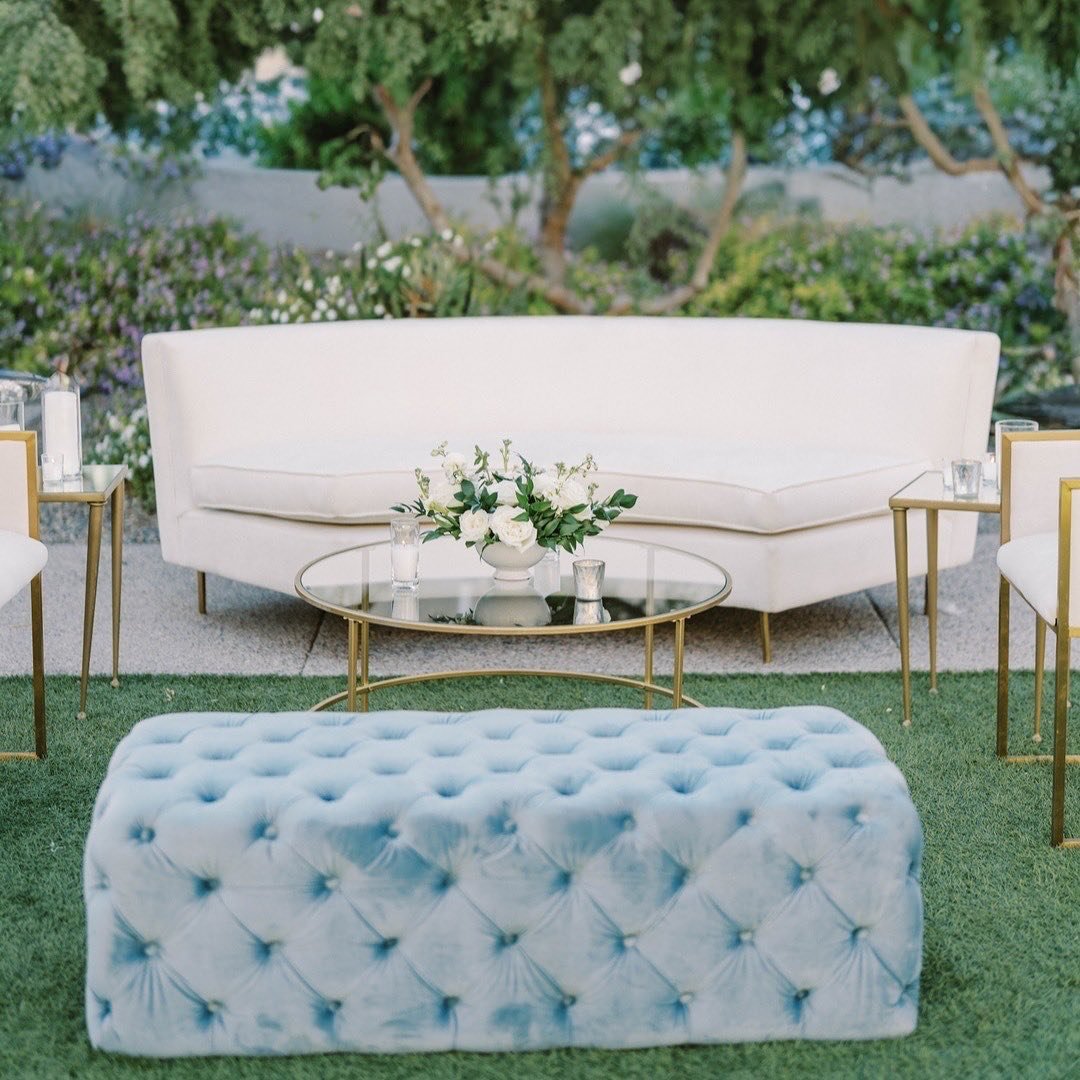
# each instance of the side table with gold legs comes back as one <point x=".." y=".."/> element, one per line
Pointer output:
<point x="98" y="485"/>
<point x="926" y="492"/>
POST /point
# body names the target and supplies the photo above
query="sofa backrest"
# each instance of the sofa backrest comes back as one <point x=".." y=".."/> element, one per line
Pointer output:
<point x="904" y="390"/>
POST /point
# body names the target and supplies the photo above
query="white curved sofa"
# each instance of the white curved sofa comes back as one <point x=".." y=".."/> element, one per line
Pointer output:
<point x="770" y="446"/>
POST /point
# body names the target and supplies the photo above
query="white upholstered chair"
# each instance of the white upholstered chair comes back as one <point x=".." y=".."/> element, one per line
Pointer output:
<point x="22" y="558"/>
<point x="1039" y="557"/>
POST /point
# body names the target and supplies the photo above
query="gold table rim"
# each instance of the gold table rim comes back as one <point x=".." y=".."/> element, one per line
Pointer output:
<point x="899" y="502"/>
<point x="59" y="495"/>
<point x="519" y="631"/>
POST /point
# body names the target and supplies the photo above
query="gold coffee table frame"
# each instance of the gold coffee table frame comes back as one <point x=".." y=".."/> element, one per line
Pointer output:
<point x="360" y="685"/>
<point x="926" y="492"/>
<point x="98" y="485"/>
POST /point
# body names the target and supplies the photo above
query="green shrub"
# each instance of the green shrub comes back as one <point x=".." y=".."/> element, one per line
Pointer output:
<point x="88" y="291"/>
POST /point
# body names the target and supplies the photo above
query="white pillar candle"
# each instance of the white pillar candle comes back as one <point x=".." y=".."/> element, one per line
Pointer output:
<point x="60" y="428"/>
<point x="404" y="562"/>
<point x="10" y="427"/>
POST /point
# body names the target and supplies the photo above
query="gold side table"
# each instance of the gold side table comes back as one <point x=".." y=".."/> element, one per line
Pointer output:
<point x="98" y="485"/>
<point x="926" y="492"/>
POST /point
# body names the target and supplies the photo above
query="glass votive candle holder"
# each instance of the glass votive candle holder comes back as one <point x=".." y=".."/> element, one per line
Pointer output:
<point x="588" y="579"/>
<point x="590" y="613"/>
<point x="405" y="551"/>
<point x="966" y="478"/>
<point x="12" y="416"/>
<point x="52" y="469"/>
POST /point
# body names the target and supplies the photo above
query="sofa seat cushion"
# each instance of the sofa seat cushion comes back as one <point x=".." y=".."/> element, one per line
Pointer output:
<point x="763" y="488"/>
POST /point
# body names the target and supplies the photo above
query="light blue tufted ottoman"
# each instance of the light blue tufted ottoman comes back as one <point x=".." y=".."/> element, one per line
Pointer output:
<point x="295" y="883"/>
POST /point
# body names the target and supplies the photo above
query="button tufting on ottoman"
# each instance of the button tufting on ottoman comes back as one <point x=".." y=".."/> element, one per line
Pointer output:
<point x="507" y="879"/>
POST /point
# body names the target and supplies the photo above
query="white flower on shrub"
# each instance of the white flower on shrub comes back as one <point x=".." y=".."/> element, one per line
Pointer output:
<point x="392" y="264"/>
<point x="384" y="249"/>
<point x="506" y="492"/>
<point x="474" y="525"/>
<point x="515" y="534"/>
<point x="630" y="74"/>
<point x="828" y="82"/>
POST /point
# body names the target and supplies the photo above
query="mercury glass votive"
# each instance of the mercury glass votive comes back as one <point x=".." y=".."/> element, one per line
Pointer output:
<point x="588" y="579"/>
<point x="966" y="477"/>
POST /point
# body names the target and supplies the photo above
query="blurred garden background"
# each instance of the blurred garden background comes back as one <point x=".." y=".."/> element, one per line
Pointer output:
<point x="170" y="164"/>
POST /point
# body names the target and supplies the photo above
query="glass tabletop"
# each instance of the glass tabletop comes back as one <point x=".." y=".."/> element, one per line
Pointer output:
<point x="95" y="484"/>
<point x="643" y="583"/>
<point x="928" y="492"/>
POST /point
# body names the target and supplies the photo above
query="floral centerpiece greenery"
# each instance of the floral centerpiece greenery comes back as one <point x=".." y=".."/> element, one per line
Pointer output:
<point x="513" y="501"/>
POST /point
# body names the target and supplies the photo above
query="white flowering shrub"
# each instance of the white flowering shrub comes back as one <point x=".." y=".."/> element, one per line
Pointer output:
<point x="126" y="441"/>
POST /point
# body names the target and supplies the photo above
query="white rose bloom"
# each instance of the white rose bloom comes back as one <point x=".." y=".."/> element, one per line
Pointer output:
<point x="828" y="82"/>
<point x="572" y="492"/>
<point x="442" y="495"/>
<point x="475" y="525"/>
<point x="506" y="491"/>
<point x="384" y="249"/>
<point x="515" y="534"/>
<point x="544" y="485"/>
<point x="454" y="466"/>
<point x="630" y="74"/>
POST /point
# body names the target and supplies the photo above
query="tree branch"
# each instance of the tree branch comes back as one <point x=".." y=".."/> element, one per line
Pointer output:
<point x="625" y="140"/>
<point x="721" y="223"/>
<point x="937" y="151"/>
<point x="1009" y="162"/>
<point x="400" y="155"/>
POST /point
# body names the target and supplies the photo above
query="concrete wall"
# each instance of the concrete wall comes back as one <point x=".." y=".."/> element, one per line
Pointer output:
<point x="286" y="206"/>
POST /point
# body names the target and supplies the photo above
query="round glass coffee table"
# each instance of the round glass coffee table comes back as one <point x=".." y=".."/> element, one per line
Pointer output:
<point x="644" y="585"/>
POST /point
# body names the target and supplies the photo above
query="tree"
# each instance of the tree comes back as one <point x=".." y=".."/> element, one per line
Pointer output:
<point x="602" y="78"/>
<point x="896" y="46"/>
<point x="587" y="83"/>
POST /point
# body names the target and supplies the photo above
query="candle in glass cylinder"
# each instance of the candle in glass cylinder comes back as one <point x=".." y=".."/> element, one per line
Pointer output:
<point x="60" y="428"/>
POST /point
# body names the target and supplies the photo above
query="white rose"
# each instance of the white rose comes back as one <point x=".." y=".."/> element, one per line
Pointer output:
<point x="544" y="485"/>
<point x="384" y="249"/>
<point x="442" y="495"/>
<point x="454" y="466"/>
<point x="515" y="534"/>
<point x="630" y="74"/>
<point x="475" y="525"/>
<point x="572" y="492"/>
<point x="506" y="492"/>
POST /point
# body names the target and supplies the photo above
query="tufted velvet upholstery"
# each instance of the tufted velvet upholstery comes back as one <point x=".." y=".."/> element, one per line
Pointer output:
<point x="506" y="879"/>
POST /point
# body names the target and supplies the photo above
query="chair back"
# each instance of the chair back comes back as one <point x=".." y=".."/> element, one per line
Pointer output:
<point x="18" y="483"/>
<point x="1032" y="464"/>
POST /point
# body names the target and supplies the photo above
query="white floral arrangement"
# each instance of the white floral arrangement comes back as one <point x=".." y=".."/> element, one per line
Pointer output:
<point x="513" y="501"/>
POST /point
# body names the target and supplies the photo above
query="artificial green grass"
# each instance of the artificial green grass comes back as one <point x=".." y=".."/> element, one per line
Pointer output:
<point x="1001" y="975"/>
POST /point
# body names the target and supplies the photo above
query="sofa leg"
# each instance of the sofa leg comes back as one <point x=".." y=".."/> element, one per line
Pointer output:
<point x="200" y="583"/>
<point x="766" y="639"/>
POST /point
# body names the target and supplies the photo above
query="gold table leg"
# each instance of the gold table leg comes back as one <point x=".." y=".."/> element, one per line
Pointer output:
<point x="901" y="545"/>
<point x="931" y="591"/>
<point x="677" y="676"/>
<point x="117" y="521"/>
<point x="37" y="637"/>
<point x="1004" y="596"/>
<point x="200" y="591"/>
<point x="1040" y="669"/>
<point x="365" y="637"/>
<point x="648" y="664"/>
<point x="354" y="634"/>
<point x="93" y="557"/>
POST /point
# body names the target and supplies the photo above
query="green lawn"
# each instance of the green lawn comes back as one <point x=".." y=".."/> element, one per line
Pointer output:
<point x="1001" y="977"/>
